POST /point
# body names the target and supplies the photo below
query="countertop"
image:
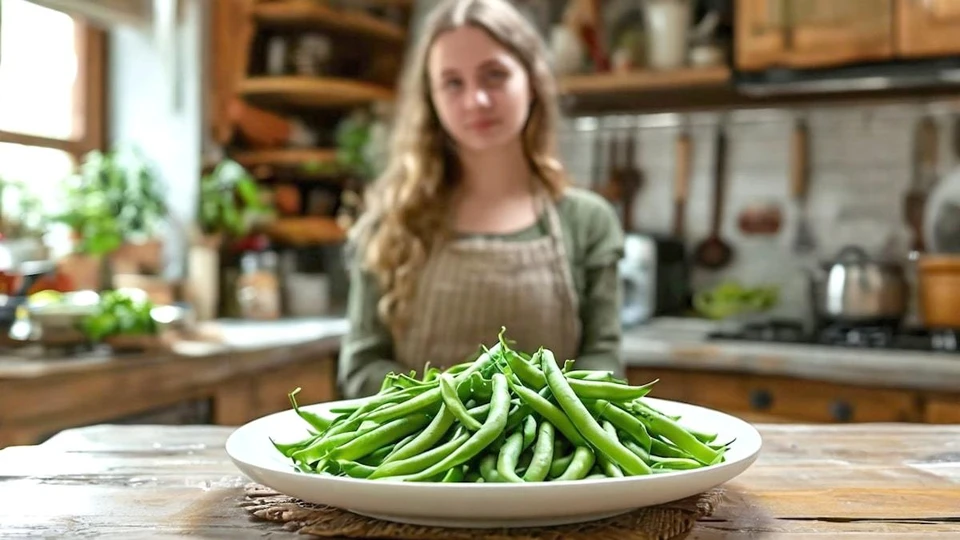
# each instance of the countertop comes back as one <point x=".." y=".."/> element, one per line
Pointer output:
<point x="223" y="337"/>
<point x="843" y="482"/>
<point x="664" y="343"/>
<point x="682" y="344"/>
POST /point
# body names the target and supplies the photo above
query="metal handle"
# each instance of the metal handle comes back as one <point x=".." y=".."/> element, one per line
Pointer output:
<point x="841" y="411"/>
<point x="761" y="400"/>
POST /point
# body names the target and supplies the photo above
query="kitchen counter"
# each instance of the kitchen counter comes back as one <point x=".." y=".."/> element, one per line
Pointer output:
<point x="245" y="371"/>
<point x="842" y="482"/>
<point x="682" y="344"/>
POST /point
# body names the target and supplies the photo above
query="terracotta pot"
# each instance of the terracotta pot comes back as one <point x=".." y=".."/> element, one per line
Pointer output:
<point x="138" y="258"/>
<point x="85" y="272"/>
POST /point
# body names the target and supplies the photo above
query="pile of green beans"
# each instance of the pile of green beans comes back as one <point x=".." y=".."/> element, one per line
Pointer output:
<point x="508" y="416"/>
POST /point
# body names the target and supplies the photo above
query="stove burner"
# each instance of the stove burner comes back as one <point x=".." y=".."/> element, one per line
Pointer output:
<point x="875" y="336"/>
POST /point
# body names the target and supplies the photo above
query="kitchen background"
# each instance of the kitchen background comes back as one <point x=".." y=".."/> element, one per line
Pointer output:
<point x="225" y="145"/>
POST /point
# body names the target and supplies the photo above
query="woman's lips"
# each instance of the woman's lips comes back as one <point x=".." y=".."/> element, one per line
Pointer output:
<point x="483" y="125"/>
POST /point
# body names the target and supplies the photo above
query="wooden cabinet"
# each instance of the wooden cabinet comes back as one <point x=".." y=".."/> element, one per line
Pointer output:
<point x="812" y="33"/>
<point x="783" y="400"/>
<point x="927" y="28"/>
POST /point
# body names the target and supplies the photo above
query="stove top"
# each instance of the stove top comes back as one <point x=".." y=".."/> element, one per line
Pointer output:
<point x="879" y="336"/>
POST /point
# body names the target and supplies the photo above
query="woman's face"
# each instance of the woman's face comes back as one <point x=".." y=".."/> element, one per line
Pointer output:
<point x="481" y="92"/>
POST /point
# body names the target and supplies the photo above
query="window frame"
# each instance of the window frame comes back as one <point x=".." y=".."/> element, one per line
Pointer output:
<point x="89" y="100"/>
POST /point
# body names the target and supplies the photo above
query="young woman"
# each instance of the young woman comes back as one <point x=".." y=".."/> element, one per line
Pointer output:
<point x="474" y="225"/>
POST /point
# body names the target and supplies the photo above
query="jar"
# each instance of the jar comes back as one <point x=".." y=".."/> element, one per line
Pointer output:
<point x="258" y="287"/>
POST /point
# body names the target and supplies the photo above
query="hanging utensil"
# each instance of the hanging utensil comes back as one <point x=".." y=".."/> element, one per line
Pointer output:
<point x="803" y="242"/>
<point x="596" y="174"/>
<point x="611" y="188"/>
<point x="681" y="184"/>
<point x="714" y="252"/>
<point x="631" y="180"/>
<point x="924" y="175"/>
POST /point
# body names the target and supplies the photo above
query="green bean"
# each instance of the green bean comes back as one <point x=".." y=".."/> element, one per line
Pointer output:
<point x="453" y="475"/>
<point x="580" y="465"/>
<point x="542" y="454"/>
<point x="488" y="469"/>
<point x="354" y="469"/>
<point x="287" y="449"/>
<point x="387" y="433"/>
<point x="405" y="408"/>
<point x="544" y="408"/>
<point x="529" y="431"/>
<point x="430" y="397"/>
<point x="560" y="464"/>
<point x="517" y="417"/>
<point x="375" y="458"/>
<point x="675" y="464"/>
<point x="427" y="438"/>
<point x="590" y="375"/>
<point x="608" y="467"/>
<point x="323" y="446"/>
<point x="451" y="400"/>
<point x="480" y="412"/>
<point x="623" y="421"/>
<point x="665" y="449"/>
<point x="595" y="476"/>
<point x="677" y="434"/>
<point x="509" y="456"/>
<point x="316" y="421"/>
<point x="481" y="439"/>
<point x="419" y="462"/>
<point x="481" y="362"/>
<point x="610" y="391"/>
<point x="527" y="372"/>
<point x="479" y="387"/>
<point x="703" y="436"/>
<point x="584" y="422"/>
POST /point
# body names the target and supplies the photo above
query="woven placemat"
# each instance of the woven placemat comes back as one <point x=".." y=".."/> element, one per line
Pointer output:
<point x="662" y="522"/>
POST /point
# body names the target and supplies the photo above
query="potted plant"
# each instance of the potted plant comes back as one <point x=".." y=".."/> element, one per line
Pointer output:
<point x="114" y="207"/>
<point x="230" y="207"/>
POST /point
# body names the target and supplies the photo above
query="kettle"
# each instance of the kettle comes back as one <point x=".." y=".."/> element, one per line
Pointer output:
<point x="856" y="288"/>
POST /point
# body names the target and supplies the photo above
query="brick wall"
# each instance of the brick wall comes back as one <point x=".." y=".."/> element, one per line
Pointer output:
<point x="860" y="169"/>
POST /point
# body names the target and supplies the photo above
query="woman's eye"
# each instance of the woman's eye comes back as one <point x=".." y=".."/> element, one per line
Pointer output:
<point x="496" y="76"/>
<point x="452" y="84"/>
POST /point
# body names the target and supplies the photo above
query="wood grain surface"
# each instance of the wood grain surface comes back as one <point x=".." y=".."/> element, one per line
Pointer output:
<point x="811" y="482"/>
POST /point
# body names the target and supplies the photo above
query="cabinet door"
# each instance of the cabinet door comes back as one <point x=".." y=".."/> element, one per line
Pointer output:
<point x="812" y="33"/>
<point x="928" y="27"/>
<point x="759" y="35"/>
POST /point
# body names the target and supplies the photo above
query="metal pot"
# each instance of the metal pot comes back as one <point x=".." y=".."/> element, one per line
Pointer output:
<point x="854" y="288"/>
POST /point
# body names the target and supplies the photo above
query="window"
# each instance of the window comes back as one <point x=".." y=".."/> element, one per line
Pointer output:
<point x="51" y="95"/>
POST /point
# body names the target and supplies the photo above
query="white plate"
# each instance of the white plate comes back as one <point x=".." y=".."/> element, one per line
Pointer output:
<point x="488" y="505"/>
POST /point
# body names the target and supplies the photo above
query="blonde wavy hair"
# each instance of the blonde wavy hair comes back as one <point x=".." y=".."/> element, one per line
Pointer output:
<point x="406" y="208"/>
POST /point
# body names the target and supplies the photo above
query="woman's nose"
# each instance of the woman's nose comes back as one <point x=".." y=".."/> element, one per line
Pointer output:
<point x="478" y="98"/>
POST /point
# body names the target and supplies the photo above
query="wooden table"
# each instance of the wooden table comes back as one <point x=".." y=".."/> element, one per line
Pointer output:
<point x="810" y="482"/>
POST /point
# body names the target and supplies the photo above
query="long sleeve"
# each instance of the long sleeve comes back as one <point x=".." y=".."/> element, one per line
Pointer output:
<point x="601" y="247"/>
<point x="366" y="352"/>
<point x="600" y="315"/>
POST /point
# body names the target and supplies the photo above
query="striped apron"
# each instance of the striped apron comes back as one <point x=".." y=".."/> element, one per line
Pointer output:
<point x="471" y="287"/>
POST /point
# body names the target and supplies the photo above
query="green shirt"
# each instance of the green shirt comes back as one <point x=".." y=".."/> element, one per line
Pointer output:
<point x="593" y="240"/>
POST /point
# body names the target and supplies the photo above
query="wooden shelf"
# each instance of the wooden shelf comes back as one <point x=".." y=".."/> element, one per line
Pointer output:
<point x="643" y="81"/>
<point x="311" y="92"/>
<point x="309" y="14"/>
<point x="284" y="157"/>
<point x="306" y="231"/>
<point x="406" y="4"/>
